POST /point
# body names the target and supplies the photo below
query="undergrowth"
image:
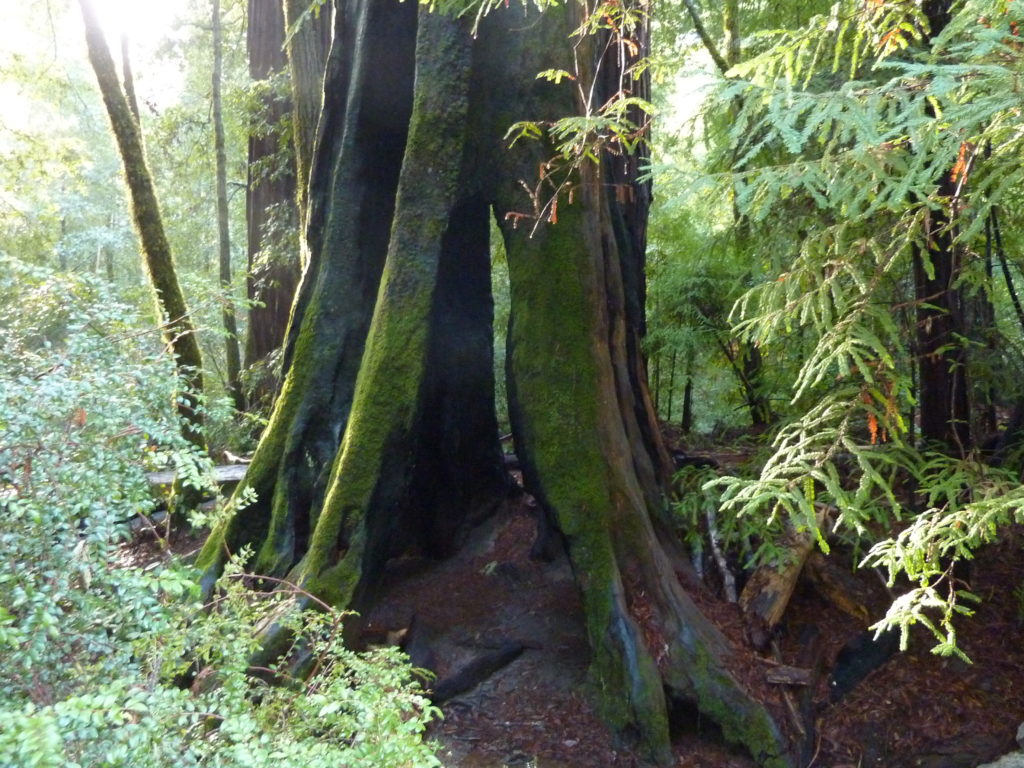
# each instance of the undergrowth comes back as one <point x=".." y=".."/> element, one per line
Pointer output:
<point x="97" y="652"/>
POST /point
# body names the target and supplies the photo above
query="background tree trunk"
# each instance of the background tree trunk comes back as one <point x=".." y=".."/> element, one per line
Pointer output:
<point x="270" y="204"/>
<point x="941" y="323"/>
<point x="233" y="355"/>
<point x="307" y="57"/>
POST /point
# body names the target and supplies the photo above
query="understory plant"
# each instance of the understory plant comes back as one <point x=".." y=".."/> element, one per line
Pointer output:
<point x="112" y="663"/>
<point x="876" y="138"/>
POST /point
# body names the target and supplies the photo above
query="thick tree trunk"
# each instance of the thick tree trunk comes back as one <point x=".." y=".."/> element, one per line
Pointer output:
<point x="385" y="439"/>
<point x="232" y="350"/>
<point x="176" y="322"/>
<point x="584" y="458"/>
<point x="370" y="82"/>
<point x="585" y="430"/>
<point x="270" y="205"/>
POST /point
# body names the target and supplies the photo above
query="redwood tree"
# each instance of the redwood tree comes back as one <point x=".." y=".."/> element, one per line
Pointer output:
<point x="941" y="322"/>
<point x="270" y="192"/>
<point x="384" y="437"/>
<point x="279" y="173"/>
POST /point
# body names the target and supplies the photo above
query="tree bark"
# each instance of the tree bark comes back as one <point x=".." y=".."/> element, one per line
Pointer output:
<point x="585" y="430"/>
<point x="272" y="216"/>
<point x="129" y="79"/>
<point x="941" y="324"/>
<point x="731" y="40"/>
<point x="385" y="439"/>
<point x="307" y="57"/>
<point x="686" y="424"/>
<point x="176" y="322"/>
<point x="233" y="355"/>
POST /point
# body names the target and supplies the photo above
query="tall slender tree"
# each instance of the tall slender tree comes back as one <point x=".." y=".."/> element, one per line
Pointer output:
<point x="233" y="353"/>
<point x="942" y="333"/>
<point x="176" y="321"/>
<point x="744" y="358"/>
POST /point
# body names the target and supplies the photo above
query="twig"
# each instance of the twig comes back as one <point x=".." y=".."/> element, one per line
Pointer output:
<point x="728" y="580"/>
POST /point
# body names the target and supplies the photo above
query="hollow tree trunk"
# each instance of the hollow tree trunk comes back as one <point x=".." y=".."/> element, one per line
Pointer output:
<point x="176" y="321"/>
<point x="385" y="439"/>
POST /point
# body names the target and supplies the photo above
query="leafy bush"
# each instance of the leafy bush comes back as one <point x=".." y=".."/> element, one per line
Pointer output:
<point x="92" y="645"/>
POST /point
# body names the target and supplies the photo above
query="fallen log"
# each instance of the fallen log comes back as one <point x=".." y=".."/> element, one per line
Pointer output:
<point x="225" y="474"/>
<point x="838" y="586"/>
<point x="476" y="671"/>
<point x="767" y="593"/>
<point x="786" y="675"/>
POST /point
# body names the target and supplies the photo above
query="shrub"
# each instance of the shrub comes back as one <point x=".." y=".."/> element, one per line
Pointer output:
<point x="91" y="644"/>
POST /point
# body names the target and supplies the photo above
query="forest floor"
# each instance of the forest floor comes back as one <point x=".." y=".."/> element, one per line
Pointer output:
<point x="916" y="709"/>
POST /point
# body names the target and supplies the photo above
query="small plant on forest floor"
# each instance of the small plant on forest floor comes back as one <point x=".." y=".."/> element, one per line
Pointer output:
<point x="1018" y="597"/>
<point x="708" y="530"/>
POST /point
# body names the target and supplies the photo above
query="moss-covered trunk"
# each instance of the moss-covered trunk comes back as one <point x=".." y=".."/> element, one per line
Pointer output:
<point x="385" y="439"/>
<point x="176" y="321"/>
<point x="392" y="323"/>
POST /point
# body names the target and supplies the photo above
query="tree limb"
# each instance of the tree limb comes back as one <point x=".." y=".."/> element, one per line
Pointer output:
<point x="705" y="37"/>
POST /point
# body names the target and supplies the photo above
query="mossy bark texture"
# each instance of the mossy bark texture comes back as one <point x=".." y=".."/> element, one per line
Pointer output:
<point x="178" y="330"/>
<point x="384" y="438"/>
<point x="390" y="336"/>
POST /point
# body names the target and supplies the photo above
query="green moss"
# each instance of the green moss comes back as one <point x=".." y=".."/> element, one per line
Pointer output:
<point x="390" y="381"/>
<point x="743" y="721"/>
<point x="561" y="404"/>
<point x="336" y="584"/>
